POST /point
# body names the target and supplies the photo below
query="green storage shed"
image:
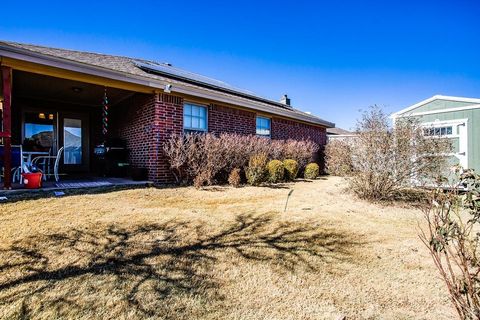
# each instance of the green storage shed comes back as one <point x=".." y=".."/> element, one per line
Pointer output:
<point x="455" y="118"/>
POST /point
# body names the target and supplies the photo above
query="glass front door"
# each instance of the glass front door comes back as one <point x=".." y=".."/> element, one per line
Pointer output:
<point x="45" y="131"/>
<point x="72" y="141"/>
<point x="74" y="138"/>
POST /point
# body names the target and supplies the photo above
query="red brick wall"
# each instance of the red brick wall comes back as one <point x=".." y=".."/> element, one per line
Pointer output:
<point x="169" y="120"/>
<point x="223" y="119"/>
<point x="288" y="129"/>
<point x="147" y="121"/>
<point x="134" y="122"/>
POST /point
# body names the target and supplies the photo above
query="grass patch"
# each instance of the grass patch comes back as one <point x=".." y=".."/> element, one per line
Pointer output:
<point x="185" y="253"/>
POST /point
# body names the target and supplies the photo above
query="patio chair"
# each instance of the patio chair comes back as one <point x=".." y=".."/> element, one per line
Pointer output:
<point x="44" y="161"/>
<point x="43" y="164"/>
<point x="17" y="163"/>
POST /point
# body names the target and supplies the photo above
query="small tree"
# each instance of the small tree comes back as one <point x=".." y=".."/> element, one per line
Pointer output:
<point x="386" y="159"/>
<point x="453" y="238"/>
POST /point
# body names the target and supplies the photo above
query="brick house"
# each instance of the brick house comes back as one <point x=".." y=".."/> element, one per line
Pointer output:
<point x="55" y="97"/>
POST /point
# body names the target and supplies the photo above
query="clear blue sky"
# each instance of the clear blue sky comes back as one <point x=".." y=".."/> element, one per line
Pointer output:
<point x="332" y="57"/>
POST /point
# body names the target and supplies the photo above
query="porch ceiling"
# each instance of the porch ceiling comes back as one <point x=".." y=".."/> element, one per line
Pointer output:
<point x="36" y="86"/>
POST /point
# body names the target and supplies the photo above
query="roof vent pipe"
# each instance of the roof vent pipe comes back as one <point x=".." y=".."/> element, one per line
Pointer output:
<point x="285" y="100"/>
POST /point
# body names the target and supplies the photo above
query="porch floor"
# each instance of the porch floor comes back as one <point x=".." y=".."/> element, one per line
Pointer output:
<point x="89" y="184"/>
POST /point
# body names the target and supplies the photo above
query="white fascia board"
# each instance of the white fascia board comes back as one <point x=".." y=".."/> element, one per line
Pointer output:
<point x="413" y="114"/>
<point x="436" y="97"/>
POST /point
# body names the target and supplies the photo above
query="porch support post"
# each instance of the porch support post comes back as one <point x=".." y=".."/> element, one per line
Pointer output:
<point x="7" y="125"/>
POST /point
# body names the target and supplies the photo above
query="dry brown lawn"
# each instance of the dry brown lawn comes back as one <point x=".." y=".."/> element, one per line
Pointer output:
<point x="220" y="253"/>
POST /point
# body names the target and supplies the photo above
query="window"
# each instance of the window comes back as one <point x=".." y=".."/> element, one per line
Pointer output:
<point x="263" y="126"/>
<point x="438" y="131"/>
<point x="38" y="131"/>
<point x="194" y="117"/>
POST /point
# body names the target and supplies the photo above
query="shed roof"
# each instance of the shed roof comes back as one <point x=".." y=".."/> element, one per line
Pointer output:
<point x="410" y="110"/>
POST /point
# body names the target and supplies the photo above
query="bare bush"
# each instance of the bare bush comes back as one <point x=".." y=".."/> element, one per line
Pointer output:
<point x="386" y="159"/>
<point x="234" y="178"/>
<point x="300" y="151"/>
<point x="338" y="158"/>
<point x="206" y="159"/>
<point x="175" y="149"/>
<point x="454" y="242"/>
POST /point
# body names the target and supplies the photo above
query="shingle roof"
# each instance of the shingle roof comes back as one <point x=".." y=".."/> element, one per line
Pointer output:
<point x="338" y="131"/>
<point x="130" y="66"/>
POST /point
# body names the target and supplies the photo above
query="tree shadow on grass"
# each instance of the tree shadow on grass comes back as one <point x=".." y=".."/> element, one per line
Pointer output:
<point x="151" y="270"/>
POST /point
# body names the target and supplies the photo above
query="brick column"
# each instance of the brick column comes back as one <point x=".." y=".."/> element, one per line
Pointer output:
<point x="146" y="122"/>
<point x="168" y="121"/>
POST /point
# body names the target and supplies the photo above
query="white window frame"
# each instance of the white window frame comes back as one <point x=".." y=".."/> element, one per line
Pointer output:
<point x="440" y="135"/>
<point x="445" y="123"/>
<point x="189" y="129"/>
<point x="269" y="127"/>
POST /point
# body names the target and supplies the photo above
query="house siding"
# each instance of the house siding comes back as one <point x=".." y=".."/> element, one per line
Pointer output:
<point x="146" y="122"/>
<point x="441" y="104"/>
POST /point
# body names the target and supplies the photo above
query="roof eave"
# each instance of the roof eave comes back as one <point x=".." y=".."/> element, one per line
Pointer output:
<point x="72" y="65"/>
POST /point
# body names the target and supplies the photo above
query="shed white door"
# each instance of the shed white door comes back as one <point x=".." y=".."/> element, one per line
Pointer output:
<point x="461" y="149"/>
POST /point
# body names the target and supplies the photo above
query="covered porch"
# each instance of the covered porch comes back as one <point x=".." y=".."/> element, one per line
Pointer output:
<point x="65" y="128"/>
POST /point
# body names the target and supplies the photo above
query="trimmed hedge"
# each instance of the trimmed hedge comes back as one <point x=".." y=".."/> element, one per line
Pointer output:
<point x="312" y="170"/>
<point x="291" y="169"/>
<point x="276" y="171"/>
<point x="256" y="171"/>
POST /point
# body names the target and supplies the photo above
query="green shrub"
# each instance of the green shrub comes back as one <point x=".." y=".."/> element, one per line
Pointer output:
<point x="256" y="172"/>
<point x="291" y="169"/>
<point x="234" y="178"/>
<point x="312" y="171"/>
<point x="276" y="171"/>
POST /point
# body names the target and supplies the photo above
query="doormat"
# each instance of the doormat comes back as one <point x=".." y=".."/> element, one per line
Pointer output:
<point x="83" y="184"/>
